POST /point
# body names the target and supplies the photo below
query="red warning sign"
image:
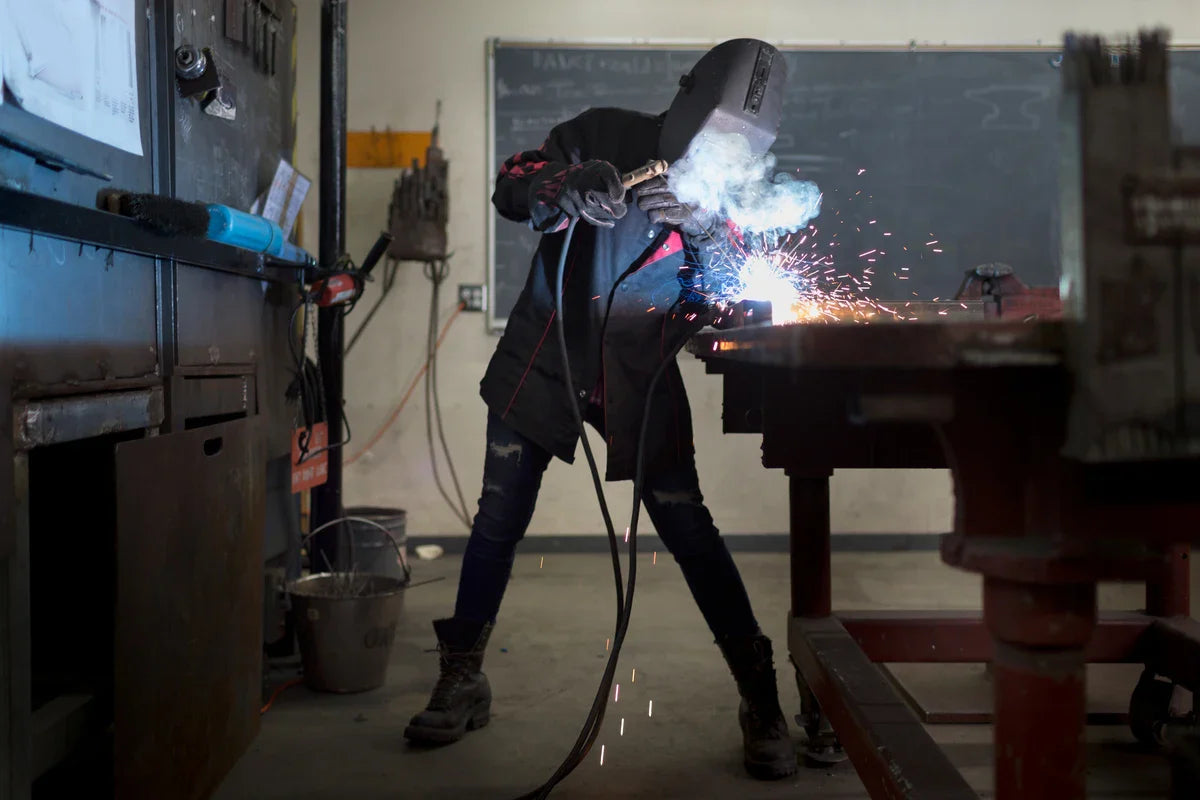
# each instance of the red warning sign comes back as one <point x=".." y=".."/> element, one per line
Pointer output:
<point x="314" y="469"/>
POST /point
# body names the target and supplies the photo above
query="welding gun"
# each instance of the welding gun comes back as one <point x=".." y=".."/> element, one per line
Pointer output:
<point x="651" y="169"/>
<point x="344" y="284"/>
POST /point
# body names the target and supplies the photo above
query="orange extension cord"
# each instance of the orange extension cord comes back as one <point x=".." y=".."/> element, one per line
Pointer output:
<point x="411" y="388"/>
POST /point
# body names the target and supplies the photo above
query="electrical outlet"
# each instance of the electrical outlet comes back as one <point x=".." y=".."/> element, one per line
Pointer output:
<point x="472" y="296"/>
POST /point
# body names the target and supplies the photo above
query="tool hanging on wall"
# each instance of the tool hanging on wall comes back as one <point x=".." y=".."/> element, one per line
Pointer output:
<point x="213" y="221"/>
<point x="344" y="283"/>
<point x="256" y="25"/>
<point x="420" y="206"/>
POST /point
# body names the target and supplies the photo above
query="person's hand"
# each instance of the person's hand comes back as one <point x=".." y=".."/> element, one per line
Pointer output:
<point x="592" y="191"/>
<point x="663" y="208"/>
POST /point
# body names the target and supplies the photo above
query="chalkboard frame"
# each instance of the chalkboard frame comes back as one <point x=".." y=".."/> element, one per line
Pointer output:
<point x="496" y="324"/>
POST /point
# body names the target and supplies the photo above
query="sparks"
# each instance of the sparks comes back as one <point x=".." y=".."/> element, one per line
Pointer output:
<point x="935" y="241"/>
<point x="542" y="562"/>
<point x="654" y="560"/>
<point x="633" y="676"/>
<point x="606" y="642"/>
<point x="622" y="726"/>
<point x="602" y="755"/>
<point x="617" y="693"/>
<point x="650" y="713"/>
<point x="861" y="171"/>
<point x="627" y="534"/>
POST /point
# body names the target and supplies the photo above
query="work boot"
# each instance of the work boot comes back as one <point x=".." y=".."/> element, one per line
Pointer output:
<point x="766" y="745"/>
<point x="462" y="699"/>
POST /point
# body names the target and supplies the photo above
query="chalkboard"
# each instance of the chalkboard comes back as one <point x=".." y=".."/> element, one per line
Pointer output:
<point x="950" y="153"/>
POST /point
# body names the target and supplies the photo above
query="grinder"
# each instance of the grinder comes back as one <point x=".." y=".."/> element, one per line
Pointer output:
<point x="736" y="87"/>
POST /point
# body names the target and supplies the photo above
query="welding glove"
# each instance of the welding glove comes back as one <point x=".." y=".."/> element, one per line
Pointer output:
<point x="591" y="190"/>
<point x="663" y="208"/>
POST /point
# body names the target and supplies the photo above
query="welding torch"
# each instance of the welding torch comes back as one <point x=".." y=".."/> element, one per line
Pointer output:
<point x="651" y="169"/>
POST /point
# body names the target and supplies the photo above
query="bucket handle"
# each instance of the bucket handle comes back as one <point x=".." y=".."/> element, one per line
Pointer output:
<point x="365" y="521"/>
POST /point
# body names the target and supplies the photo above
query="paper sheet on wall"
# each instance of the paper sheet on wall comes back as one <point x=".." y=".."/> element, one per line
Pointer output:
<point x="74" y="63"/>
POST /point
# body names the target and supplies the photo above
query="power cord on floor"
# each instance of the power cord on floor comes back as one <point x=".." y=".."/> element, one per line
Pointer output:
<point x="595" y="718"/>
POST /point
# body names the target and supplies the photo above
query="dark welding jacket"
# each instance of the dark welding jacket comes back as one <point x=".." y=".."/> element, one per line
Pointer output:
<point x="620" y="299"/>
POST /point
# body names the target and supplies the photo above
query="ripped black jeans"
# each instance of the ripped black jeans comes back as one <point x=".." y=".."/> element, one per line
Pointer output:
<point x="512" y="475"/>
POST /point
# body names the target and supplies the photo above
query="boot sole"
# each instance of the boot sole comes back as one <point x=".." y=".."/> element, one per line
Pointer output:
<point x="479" y="716"/>
<point x="771" y="770"/>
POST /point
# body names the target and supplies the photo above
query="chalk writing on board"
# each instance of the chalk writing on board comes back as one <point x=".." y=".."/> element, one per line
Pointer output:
<point x="503" y="90"/>
<point x="1010" y="108"/>
<point x="614" y="63"/>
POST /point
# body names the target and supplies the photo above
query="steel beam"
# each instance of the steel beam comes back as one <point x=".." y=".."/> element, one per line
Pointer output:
<point x="92" y="227"/>
<point x="45" y="422"/>
<point x="811" y="582"/>
<point x="893" y="753"/>
<point x="960" y="637"/>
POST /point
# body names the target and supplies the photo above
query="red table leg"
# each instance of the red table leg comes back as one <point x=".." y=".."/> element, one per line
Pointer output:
<point x="1040" y="633"/>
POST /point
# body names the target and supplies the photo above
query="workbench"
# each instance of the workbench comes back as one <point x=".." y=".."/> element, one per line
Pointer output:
<point x="146" y="507"/>
<point x="988" y="400"/>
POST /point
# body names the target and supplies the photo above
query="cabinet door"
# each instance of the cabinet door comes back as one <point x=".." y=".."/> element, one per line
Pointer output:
<point x="188" y="672"/>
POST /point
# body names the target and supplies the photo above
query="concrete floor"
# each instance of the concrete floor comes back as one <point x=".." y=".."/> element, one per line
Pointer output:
<point x="545" y="659"/>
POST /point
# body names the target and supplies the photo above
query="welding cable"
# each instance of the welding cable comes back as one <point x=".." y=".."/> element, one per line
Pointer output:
<point x="595" y="718"/>
<point x="436" y="272"/>
<point x="412" y="387"/>
<point x="312" y="389"/>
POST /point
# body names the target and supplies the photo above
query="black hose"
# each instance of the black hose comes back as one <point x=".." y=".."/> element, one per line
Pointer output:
<point x="595" y="718"/>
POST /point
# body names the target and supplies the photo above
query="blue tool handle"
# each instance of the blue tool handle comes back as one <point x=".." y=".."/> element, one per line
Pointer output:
<point x="247" y="231"/>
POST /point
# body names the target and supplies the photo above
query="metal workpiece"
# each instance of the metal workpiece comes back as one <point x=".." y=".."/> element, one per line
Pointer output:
<point x="39" y="423"/>
<point x="895" y="345"/>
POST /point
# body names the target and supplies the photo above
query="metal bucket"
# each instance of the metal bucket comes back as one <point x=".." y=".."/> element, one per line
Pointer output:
<point x="373" y="552"/>
<point x="346" y="623"/>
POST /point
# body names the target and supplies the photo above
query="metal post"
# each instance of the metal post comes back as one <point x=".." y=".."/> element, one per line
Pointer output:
<point x="162" y="112"/>
<point x="808" y="497"/>
<point x="1040" y="632"/>
<point x="1170" y="596"/>
<point x="327" y="499"/>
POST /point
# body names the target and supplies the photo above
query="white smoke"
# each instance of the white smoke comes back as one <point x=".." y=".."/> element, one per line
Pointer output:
<point x="723" y="177"/>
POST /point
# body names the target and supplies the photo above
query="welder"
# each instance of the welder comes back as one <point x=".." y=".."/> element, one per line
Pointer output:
<point x="633" y="290"/>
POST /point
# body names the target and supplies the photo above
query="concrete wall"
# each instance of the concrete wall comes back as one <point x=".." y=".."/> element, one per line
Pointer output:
<point x="405" y="55"/>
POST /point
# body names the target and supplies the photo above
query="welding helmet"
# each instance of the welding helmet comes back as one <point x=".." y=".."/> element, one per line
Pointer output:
<point x="736" y="87"/>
